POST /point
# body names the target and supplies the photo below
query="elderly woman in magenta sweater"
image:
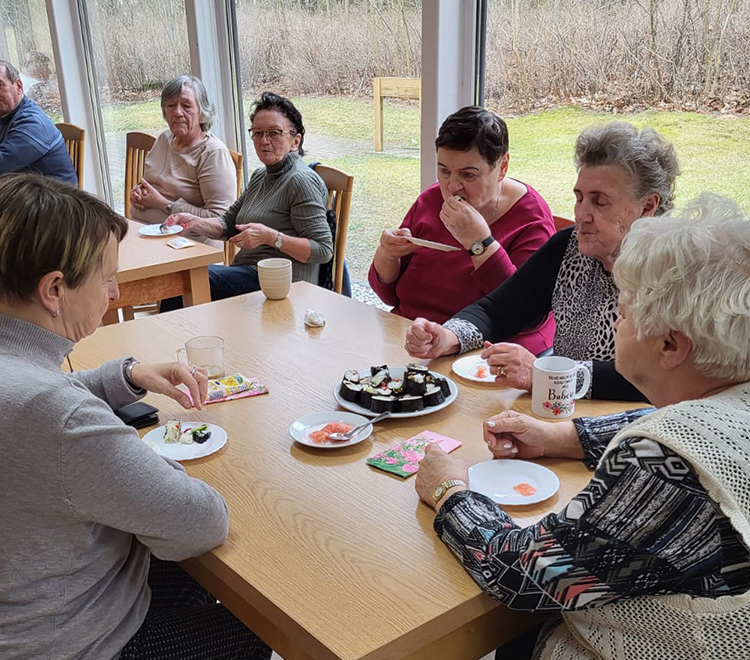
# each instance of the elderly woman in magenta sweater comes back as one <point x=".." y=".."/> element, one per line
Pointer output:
<point x="495" y="224"/>
<point x="651" y="559"/>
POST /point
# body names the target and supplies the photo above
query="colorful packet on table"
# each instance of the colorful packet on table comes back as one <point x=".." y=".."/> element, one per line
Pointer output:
<point x="233" y="387"/>
<point x="403" y="459"/>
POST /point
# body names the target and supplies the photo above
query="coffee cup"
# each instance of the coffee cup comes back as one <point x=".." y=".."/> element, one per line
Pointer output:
<point x="206" y="353"/>
<point x="553" y="389"/>
<point x="275" y="277"/>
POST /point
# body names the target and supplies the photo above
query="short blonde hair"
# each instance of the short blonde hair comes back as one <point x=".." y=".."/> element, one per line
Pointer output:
<point x="47" y="225"/>
<point x="689" y="271"/>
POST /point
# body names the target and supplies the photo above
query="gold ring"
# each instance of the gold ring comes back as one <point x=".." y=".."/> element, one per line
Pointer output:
<point x="501" y="372"/>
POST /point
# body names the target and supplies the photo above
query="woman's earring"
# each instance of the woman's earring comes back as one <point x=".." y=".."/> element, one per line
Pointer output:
<point x="55" y="314"/>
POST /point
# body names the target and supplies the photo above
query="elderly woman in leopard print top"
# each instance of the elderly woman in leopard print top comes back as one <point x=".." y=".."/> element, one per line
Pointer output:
<point x="623" y="175"/>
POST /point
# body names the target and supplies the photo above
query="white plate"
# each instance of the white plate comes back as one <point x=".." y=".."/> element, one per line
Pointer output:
<point x="153" y="230"/>
<point x="396" y="372"/>
<point x="300" y="429"/>
<point x="432" y="244"/>
<point x="180" y="452"/>
<point x="466" y="367"/>
<point x="496" y="479"/>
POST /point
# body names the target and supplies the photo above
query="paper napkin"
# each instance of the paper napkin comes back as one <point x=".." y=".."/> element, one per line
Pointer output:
<point x="403" y="459"/>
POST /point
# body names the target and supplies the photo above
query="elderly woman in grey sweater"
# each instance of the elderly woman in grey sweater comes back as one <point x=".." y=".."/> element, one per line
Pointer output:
<point x="87" y="507"/>
<point x="281" y="213"/>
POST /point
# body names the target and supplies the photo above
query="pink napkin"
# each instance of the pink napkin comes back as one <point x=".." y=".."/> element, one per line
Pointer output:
<point x="403" y="459"/>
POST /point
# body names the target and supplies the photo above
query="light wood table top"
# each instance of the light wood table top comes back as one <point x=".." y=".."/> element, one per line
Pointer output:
<point x="149" y="256"/>
<point x="328" y="558"/>
<point x="150" y="270"/>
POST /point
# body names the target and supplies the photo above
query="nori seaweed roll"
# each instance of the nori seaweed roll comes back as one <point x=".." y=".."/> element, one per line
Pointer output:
<point x="350" y="391"/>
<point x="352" y="376"/>
<point x="380" y="377"/>
<point x="380" y="403"/>
<point x="375" y="370"/>
<point x="445" y="388"/>
<point x="415" y="383"/>
<point x="365" y="398"/>
<point x="434" y="395"/>
<point x="414" y="368"/>
<point x="410" y="403"/>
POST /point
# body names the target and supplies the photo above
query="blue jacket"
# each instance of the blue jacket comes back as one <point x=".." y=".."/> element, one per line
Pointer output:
<point x="30" y="142"/>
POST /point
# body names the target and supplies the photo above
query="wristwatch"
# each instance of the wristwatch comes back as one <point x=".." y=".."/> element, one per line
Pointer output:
<point x="479" y="247"/>
<point x="168" y="208"/>
<point x="279" y="241"/>
<point x="443" y="488"/>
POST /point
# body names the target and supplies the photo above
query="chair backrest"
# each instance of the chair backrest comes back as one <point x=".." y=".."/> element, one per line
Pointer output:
<point x="340" y="185"/>
<point x="74" y="137"/>
<point x="138" y="145"/>
<point x="562" y="223"/>
<point x="229" y="249"/>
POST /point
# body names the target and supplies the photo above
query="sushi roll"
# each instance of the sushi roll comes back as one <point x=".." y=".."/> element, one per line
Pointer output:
<point x="172" y="430"/>
<point x="375" y="370"/>
<point x="396" y="386"/>
<point x="441" y="382"/>
<point x="434" y="395"/>
<point x="201" y="434"/>
<point x="415" y="383"/>
<point x="414" y="368"/>
<point x="380" y="403"/>
<point x="365" y="398"/>
<point x="350" y="391"/>
<point x="352" y="376"/>
<point x="380" y="377"/>
<point x="186" y="437"/>
<point x="410" y="403"/>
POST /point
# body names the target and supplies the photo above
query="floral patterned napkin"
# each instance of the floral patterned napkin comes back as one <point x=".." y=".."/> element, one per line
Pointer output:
<point x="403" y="459"/>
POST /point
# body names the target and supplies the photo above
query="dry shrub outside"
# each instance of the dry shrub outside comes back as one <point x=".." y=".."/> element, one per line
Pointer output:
<point x="623" y="54"/>
<point x="692" y="54"/>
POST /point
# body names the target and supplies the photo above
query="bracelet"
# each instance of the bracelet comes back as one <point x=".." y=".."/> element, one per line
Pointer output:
<point x="128" y="373"/>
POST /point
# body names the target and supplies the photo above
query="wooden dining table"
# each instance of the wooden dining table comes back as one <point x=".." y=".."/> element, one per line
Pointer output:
<point x="150" y="270"/>
<point x="328" y="558"/>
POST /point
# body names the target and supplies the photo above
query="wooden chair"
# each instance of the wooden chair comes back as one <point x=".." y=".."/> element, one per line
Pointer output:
<point x="562" y="223"/>
<point x="74" y="137"/>
<point x="340" y="185"/>
<point x="138" y="145"/>
<point x="229" y="248"/>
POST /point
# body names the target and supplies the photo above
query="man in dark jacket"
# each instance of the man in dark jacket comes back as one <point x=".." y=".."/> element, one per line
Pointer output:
<point x="29" y="141"/>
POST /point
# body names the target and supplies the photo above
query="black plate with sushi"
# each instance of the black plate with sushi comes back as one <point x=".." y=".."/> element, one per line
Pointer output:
<point x="404" y="392"/>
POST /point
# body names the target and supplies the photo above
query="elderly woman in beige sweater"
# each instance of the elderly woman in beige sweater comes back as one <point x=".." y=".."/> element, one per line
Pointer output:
<point x="188" y="170"/>
<point x="651" y="559"/>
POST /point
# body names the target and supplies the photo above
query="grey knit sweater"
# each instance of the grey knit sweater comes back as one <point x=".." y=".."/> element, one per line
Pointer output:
<point x="83" y="502"/>
<point x="290" y="198"/>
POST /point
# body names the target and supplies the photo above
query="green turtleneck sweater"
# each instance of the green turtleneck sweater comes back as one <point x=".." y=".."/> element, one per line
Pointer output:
<point x="288" y="197"/>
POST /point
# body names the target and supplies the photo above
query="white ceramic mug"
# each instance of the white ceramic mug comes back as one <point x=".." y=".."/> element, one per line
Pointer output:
<point x="205" y="352"/>
<point x="275" y="277"/>
<point x="553" y="390"/>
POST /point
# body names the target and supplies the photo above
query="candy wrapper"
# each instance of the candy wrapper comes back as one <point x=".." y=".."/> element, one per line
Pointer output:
<point x="229" y="387"/>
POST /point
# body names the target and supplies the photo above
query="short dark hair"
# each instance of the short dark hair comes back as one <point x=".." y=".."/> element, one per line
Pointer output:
<point x="271" y="101"/>
<point x="474" y="126"/>
<point x="11" y="73"/>
<point x="48" y="225"/>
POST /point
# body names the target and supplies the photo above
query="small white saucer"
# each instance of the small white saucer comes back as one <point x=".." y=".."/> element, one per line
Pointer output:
<point x="496" y="479"/>
<point x="153" y="230"/>
<point x="300" y="429"/>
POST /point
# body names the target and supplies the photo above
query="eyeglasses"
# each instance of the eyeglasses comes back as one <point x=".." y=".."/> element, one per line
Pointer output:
<point x="274" y="134"/>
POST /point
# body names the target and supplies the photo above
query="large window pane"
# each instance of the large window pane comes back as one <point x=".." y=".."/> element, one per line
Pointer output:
<point x="25" y="43"/>
<point x="138" y="46"/>
<point x="324" y="55"/>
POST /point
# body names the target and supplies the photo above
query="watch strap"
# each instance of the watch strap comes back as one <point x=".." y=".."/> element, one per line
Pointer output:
<point x="485" y="244"/>
<point x="444" y="487"/>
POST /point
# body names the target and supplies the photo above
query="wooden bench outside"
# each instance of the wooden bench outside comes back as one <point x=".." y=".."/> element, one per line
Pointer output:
<point x="400" y="88"/>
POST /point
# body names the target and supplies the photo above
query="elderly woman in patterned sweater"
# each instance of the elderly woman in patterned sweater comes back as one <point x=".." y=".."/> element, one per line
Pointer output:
<point x="623" y="175"/>
<point x="281" y="213"/>
<point x="651" y="559"/>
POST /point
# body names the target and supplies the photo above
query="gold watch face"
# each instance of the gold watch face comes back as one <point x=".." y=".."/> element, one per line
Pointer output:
<point x="438" y="492"/>
<point x="477" y="248"/>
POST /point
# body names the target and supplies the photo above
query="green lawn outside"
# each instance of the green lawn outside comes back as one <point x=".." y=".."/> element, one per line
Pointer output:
<point x="714" y="152"/>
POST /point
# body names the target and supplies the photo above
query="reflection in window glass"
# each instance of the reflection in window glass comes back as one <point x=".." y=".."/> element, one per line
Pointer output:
<point x="25" y="42"/>
<point x="324" y="56"/>
<point x="138" y="46"/>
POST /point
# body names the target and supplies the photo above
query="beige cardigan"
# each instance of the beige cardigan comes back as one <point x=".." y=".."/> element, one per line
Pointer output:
<point x="201" y="180"/>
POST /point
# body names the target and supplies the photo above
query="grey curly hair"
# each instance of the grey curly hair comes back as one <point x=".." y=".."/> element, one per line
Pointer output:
<point x="646" y="155"/>
<point x="689" y="271"/>
<point x="173" y="89"/>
